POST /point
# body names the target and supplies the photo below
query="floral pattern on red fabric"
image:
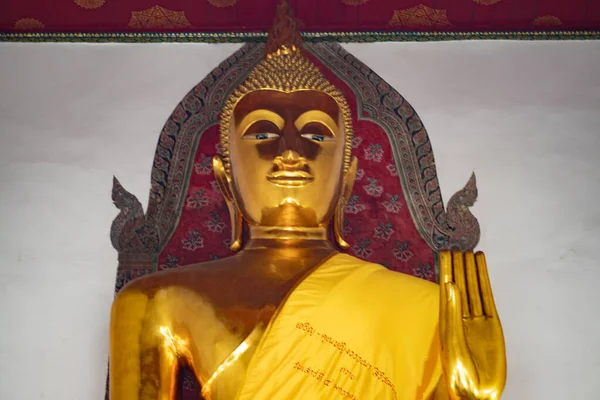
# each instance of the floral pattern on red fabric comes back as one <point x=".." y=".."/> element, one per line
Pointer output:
<point x="375" y="216"/>
<point x="332" y="15"/>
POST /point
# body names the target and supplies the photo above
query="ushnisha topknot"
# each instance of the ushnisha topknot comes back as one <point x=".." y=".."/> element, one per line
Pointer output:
<point x="285" y="69"/>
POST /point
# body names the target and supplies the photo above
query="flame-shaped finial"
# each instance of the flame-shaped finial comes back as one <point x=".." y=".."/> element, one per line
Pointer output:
<point x="283" y="35"/>
<point x="286" y="68"/>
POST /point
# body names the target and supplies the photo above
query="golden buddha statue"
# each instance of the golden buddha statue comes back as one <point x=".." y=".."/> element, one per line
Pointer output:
<point x="288" y="316"/>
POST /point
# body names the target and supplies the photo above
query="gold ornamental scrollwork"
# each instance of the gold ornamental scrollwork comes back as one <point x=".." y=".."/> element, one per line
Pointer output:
<point x="90" y="4"/>
<point x="158" y="17"/>
<point x="487" y="2"/>
<point x="355" y="2"/>
<point x="222" y="3"/>
<point x="419" y="16"/>
<point x="546" y="21"/>
<point x="29" y="24"/>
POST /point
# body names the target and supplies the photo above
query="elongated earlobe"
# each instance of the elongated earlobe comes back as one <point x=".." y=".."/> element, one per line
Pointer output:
<point x="338" y="216"/>
<point x="224" y="182"/>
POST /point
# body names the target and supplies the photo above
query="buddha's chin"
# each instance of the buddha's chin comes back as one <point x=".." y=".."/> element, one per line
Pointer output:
<point x="289" y="214"/>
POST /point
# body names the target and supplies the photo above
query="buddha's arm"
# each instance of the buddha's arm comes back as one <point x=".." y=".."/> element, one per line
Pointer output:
<point x="472" y="343"/>
<point x="441" y="391"/>
<point x="142" y="364"/>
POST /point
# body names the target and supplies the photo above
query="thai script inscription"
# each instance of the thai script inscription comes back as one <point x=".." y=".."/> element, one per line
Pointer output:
<point x="347" y="372"/>
<point x="319" y="376"/>
<point x="342" y="348"/>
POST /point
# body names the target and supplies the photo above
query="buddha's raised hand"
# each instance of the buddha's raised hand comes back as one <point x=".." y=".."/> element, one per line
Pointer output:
<point x="473" y="353"/>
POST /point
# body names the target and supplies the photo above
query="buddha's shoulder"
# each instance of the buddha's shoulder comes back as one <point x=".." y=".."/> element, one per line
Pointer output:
<point x="387" y="284"/>
<point x="193" y="276"/>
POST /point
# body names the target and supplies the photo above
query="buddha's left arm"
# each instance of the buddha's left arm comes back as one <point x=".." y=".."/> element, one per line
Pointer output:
<point x="472" y="343"/>
<point x="441" y="391"/>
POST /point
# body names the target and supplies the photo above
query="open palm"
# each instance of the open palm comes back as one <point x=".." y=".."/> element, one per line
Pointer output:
<point x="473" y="352"/>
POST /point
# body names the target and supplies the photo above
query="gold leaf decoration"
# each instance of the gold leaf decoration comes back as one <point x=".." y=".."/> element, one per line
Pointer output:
<point x="487" y="2"/>
<point x="28" y="24"/>
<point x="158" y="17"/>
<point x="354" y="2"/>
<point x="90" y="4"/>
<point x="546" y="21"/>
<point x="419" y="16"/>
<point x="222" y="3"/>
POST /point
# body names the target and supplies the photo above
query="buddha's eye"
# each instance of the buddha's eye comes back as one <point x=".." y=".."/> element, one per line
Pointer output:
<point x="317" y="132"/>
<point x="261" y="136"/>
<point x="262" y="130"/>
<point x="317" y="138"/>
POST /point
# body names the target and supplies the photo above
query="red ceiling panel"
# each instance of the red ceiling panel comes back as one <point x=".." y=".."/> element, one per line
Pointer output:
<point x="70" y="16"/>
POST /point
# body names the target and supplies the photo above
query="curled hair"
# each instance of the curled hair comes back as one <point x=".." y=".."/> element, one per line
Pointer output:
<point x="286" y="70"/>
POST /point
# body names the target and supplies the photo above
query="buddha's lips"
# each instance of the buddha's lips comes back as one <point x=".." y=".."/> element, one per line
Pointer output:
<point x="290" y="178"/>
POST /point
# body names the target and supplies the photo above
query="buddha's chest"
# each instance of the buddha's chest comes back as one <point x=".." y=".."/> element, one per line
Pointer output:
<point x="207" y="326"/>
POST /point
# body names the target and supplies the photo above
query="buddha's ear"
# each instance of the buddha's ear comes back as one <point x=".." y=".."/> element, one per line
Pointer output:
<point x="338" y="216"/>
<point x="223" y="179"/>
<point x="349" y="178"/>
<point x="224" y="182"/>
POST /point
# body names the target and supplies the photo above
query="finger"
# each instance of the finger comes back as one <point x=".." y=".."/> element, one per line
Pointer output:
<point x="445" y="277"/>
<point x="445" y="267"/>
<point x="454" y="343"/>
<point x="489" y="308"/>
<point x="473" y="285"/>
<point x="458" y="267"/>
<point x="454" y="314"/>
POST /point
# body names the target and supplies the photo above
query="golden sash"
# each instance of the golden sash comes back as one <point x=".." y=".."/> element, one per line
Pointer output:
<point x="349" y="330"/>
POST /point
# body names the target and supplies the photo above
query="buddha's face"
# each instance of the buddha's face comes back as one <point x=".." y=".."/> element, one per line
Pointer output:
<point x="287" y="153"/>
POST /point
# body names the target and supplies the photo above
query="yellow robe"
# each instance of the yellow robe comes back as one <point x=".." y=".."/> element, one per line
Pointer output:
<point x="349" y="330"/>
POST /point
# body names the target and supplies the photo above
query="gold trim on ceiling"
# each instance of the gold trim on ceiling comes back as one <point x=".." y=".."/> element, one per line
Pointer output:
<point x="237" y="37"/>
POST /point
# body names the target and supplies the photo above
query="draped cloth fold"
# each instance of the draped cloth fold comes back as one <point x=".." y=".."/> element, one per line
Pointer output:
<point x="350" y="330"/>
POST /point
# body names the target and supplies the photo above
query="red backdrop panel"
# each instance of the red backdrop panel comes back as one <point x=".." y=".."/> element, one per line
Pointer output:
<point x="330" y="15"/>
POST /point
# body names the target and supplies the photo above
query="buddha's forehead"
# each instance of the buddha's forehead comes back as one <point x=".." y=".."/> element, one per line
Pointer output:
<point x="286" y="104"/>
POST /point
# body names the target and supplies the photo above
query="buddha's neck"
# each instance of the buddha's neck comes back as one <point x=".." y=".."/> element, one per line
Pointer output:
<point x="278" y="237"/>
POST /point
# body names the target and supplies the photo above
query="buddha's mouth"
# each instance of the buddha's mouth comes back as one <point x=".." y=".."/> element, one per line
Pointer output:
<point x="290" y="178"/>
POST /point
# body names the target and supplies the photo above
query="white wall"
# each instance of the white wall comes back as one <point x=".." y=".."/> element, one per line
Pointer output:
<point x="525" y="116"/>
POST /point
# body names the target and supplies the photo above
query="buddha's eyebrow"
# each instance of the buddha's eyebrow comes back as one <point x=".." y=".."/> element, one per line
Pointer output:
<point x="260" y="115"/>
<point x="316" y="116"/>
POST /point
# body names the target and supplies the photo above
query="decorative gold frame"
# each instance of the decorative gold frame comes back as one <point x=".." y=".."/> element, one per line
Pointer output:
<point x="237" y="37"/>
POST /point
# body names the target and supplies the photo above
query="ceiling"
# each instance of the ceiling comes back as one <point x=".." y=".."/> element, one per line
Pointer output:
<point x="368" y="19"/>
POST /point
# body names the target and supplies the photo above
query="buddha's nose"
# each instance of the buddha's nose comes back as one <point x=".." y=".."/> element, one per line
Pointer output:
<point x="290" y="156"/>
<point x="290" y="160"/>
